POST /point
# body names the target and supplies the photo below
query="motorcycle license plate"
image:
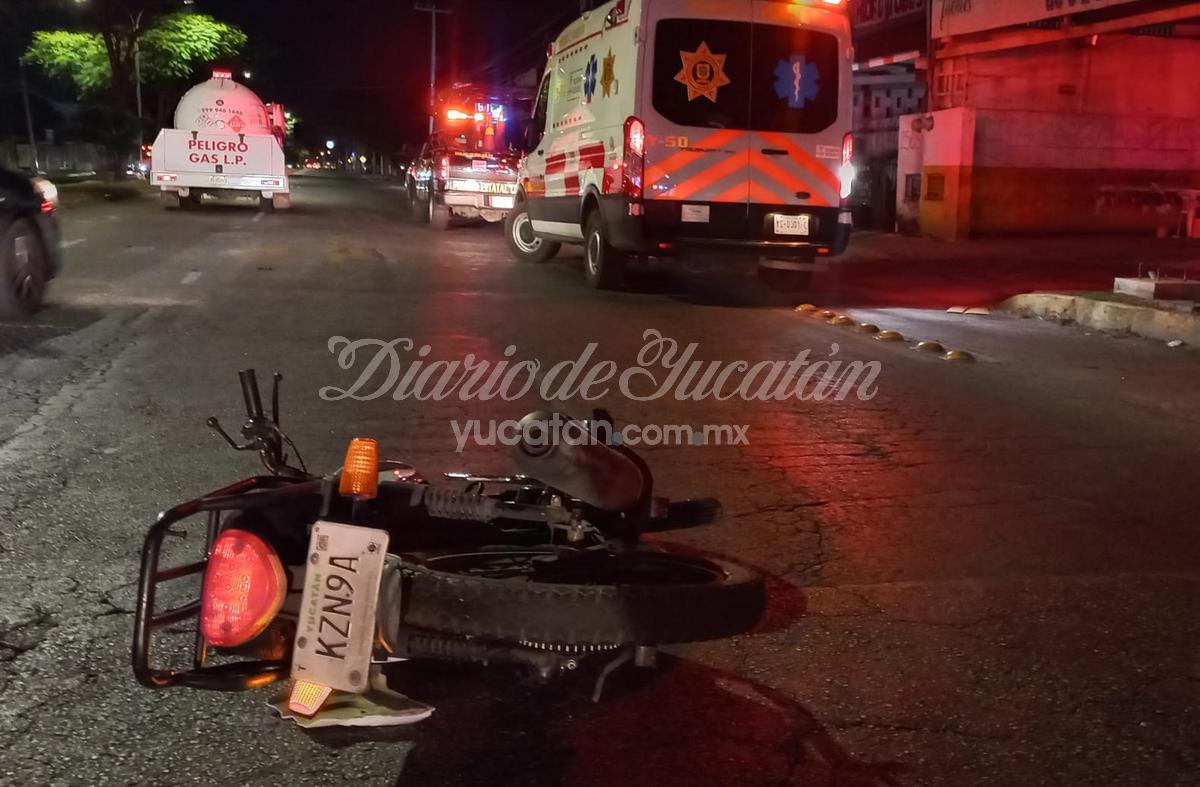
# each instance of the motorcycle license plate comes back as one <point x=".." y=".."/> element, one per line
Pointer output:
<point x="792" y="225"/>
<point x="336" y="630"/>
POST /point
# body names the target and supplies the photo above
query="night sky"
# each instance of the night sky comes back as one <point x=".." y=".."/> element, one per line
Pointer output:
<point x="361" y="68"/>
<point x="357" y="70"/>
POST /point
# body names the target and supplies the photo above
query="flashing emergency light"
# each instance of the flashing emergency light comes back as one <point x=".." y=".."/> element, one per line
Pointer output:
<point x="222" y="73"/>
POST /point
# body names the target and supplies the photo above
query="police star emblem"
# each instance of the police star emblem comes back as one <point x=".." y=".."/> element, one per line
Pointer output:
<point x="703" y="73"/>
<point x="608" y="79"/>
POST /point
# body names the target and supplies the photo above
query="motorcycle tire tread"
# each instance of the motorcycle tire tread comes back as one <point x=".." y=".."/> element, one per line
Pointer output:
<point x="583" y="615"/>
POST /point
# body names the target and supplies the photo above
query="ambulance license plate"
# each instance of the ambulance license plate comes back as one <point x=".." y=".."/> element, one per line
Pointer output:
<point x="792" y="225"/>
<point x="336" y="630"/>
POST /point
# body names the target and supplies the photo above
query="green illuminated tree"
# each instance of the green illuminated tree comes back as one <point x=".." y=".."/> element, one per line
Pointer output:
<point x="172" y="48"/>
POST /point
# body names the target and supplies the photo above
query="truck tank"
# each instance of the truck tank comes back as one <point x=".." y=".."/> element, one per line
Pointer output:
<point x="221" y="105"/>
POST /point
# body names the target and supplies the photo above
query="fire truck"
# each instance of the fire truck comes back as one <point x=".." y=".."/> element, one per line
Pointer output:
<point x="468" y="166"/>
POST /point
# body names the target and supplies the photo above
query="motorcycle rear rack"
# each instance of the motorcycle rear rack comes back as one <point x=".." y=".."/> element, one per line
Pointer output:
<point x="237" y="676"/>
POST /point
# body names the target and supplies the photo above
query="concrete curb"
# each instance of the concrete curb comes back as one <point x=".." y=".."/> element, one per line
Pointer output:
<point x="1101" y="315"/>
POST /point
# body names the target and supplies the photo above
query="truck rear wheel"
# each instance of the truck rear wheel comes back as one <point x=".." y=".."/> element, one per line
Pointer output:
<point x="603" y="265"/>
<point x="266" y="205"/>
<point x="282" y="201"/>
<point x="170" y="200"/>
<point x="523" y="245"/>
<point x="439" y="216"/>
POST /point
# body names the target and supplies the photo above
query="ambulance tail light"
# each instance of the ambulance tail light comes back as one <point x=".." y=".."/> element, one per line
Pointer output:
<point x="846" y="172"/>
<point x="635" y="158"/>
<point x="444" y="168"/>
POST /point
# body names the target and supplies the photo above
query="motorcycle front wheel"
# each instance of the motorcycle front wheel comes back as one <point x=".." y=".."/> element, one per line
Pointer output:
<point x="580" y="599"/>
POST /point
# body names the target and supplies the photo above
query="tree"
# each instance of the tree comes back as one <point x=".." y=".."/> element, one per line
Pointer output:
<point x="78" y="58"/>
<point x="172" y="47"/>
<point x="177" y="43"/>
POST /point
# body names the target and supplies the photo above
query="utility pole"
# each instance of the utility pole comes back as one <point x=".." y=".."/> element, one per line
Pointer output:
<point x="137" y="76"/>
<point x="433" y="12"/>
<point x="29" y="119"/>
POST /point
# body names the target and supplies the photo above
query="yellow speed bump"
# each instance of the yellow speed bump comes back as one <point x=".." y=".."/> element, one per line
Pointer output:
<point x="841" y="319"/>
<point x="806" y="307"/>
<point x="867" y="327"/>
<point x="959" y="356"/>
<point x="889" y="336"/>
<point x="930" y="347"/>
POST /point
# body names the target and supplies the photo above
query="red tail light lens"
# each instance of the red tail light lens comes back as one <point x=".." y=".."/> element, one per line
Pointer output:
<point x="444" y="168"/>
<point x="846" y="172"/>
<point x="244" y="589"/>
<point x="635" y="157"/>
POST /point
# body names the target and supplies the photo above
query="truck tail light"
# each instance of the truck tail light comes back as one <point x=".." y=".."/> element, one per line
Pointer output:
<point x="165" y="177"/>
<point x="444" y="168"/>
<point x="244" y="589"/>
<point x="846" y="172"/>
<point x="635" y="158"/>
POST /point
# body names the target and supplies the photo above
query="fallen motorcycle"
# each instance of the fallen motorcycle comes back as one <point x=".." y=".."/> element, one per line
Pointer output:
<point x="322" y="579"/>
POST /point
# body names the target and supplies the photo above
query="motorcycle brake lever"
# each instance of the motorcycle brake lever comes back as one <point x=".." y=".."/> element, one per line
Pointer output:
<point x="215" y="425"/>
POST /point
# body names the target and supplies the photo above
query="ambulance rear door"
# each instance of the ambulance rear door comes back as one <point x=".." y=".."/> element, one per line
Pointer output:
<point x="695" y="103"/>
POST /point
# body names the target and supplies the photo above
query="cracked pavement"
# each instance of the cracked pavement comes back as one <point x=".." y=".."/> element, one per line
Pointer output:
<point x="988" y="574"/>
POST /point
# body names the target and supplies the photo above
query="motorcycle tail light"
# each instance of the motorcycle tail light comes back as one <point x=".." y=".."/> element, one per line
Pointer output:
<point x="360" y="473"/>
<point x="244" y="589"/>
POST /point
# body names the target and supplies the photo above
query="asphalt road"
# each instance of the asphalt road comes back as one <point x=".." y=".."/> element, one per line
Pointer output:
<point x="986" y="574"/>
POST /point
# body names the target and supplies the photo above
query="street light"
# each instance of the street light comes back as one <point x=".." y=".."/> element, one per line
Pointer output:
<point x="330" y="144"/>
<point x="246" y="75"/>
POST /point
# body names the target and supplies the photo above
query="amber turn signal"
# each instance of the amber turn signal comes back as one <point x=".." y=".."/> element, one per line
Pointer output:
<point x="360" y="473"/>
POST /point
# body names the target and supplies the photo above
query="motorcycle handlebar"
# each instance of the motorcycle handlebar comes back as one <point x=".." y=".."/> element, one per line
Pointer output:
<point x="251" y="395"/>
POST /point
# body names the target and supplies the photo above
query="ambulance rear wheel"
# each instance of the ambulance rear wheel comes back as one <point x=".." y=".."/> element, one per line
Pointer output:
<point x="523" y="245"/>
<point x="603" y="265"/>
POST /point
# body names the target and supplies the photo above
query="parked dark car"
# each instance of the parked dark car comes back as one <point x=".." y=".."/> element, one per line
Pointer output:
<point x="29" y="242"/>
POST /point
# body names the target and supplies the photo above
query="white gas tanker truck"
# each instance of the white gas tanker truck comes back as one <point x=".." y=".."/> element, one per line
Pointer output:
<point x="225" y="143"/>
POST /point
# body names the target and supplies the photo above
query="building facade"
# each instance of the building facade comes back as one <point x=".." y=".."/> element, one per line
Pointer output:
<point x="1055" y="116"/>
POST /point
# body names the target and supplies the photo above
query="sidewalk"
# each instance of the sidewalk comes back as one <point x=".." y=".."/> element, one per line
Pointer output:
<point x="74" y="195"/>
<point x="881" y="269"/>
<point x="1103" y="311"/>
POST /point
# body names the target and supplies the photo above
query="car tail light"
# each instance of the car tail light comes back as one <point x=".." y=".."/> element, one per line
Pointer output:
<point x="360" y="473"/>
<point x="49" y="194"/>
<point x="244" y="589"/>
<point x="847" y="172"/>
<point x="635" y="157"/>
<point x="444" y="168"/>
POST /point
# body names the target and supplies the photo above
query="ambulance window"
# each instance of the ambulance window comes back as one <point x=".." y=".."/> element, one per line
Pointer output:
<point x="796" y="80"/>
<point x="537" y="127"/>
<point x="701" y="72"/>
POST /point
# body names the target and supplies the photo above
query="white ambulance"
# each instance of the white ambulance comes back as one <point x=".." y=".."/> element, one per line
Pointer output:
<point x="667" y="127"/>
